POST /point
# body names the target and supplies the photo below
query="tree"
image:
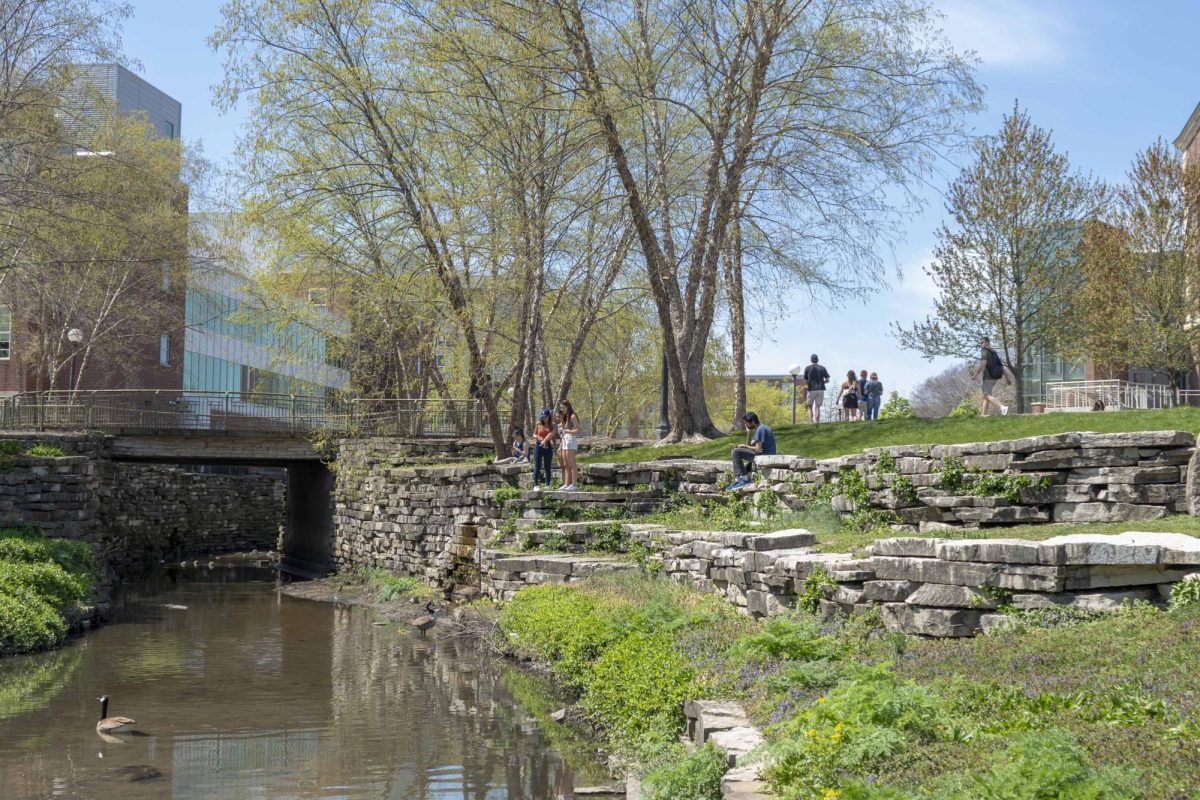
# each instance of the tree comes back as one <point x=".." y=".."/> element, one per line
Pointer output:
<point x="110" y="236"/>
<point x="698" y="104"/>
<point x="1138" y="301"/>
<point x="952" y="388"/>
<point x="896" y="407"/>
<point x="1006" y="265"/>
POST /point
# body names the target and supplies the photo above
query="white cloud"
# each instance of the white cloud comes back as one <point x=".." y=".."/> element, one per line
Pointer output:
<point x="1010" y="34"/>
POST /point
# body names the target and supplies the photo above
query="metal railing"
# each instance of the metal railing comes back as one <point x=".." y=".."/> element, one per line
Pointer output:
<point x="171" y="410"/>
<point x="1116" y="395"/>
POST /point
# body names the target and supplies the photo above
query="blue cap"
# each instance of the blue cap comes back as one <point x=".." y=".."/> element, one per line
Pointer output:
<point x="545" y="413"/>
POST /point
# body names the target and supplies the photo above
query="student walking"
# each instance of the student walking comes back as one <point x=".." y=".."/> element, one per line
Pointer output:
<point x="760" y="441"/>
<point x="847" y="396"/>
<point x="992" y="369"/>
<point x="543" y="450"/>
<point x="815" y="376"/>
<point x="873" y="391"/>
<point x="569" y="428"/>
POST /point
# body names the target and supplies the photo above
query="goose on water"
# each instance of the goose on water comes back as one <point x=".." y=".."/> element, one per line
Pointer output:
<point x="107" y="724"/>
<point x="425" y="622"/>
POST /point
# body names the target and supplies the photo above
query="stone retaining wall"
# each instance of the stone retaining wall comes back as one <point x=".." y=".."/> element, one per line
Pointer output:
<point x="149" y="511"/>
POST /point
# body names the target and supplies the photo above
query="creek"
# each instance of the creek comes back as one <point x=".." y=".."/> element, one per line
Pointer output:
<point x="240" y="691"/>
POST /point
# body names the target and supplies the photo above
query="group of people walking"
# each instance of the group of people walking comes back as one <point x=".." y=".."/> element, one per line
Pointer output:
<point x="556" y="432"/>
<point x="859" y="396"/>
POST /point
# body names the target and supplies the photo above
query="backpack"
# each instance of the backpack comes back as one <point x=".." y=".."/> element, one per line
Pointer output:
<point x="994" y="366"/>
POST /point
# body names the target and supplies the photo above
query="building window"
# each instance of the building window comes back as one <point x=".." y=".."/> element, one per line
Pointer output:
<point x="5" y="332"/>
<point x="164" y="350"/>
<point x="169" y="129"/>
<point x="166" y="275"/>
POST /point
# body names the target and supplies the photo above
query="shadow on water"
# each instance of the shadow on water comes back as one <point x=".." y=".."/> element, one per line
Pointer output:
<point x="241" y="692"/>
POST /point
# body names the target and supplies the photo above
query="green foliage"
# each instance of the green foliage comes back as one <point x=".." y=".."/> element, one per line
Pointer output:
<point x="559" y="625"/>
<point x="45" y="451"/>
<point x="503" y="494"/>
<point x="905" y="490"/>
<point x="10" y="447"/>
<point x="610" y="537"/>
<point x="788" y="638"/>
<point x="809" y="597"/>
<point x="694" y="776"/>
<point x="556" y="541"/>
<point x="28" y="622"/>
<point x="1185" y="594"/>
<point x="955" y="476"/>
<point x="885" y="463"/>
<point x="29" y="545"/>
<point x="966" y="409"/>
<point x="863" y="723"/>
<point x="897" y="407"/>
<point x="389" y="587"/>
<point x="637" y="686"/>
<point x="46" y="580"/>
<point x="1048" y="765"/>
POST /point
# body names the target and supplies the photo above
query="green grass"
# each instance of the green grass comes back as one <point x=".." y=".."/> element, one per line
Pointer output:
<point x="840" y="438"/>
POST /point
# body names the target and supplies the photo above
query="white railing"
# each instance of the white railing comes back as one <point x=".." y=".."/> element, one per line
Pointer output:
<point x="1116" y="395"/>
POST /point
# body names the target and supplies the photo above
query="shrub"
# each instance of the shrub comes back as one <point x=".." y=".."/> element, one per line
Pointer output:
<point x="864" y="722"/>
<point x="559" y="625"/>
<point x="503" y="494"/>
<point x="1186" y="593"/>
<point x="45" y="580"/>
<point x="694" y="776"/>
<point x="967" y="408"/>
<point x="610" y="537"/>
<point x="27" y="622"/>
<point x="45" y="451"/>
<point x="789" y="639"/>
<point x="29" y="545"/>
<point x="637" y="686"/>
<point x="897" y="407"/>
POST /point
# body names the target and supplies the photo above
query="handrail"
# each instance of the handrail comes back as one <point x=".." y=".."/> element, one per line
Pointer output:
<point x="158" y="410"/>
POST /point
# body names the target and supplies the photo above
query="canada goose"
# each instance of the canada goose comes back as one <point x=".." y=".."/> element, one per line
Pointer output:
<point x="424" y="623"/>
<point x="109" y="724"/>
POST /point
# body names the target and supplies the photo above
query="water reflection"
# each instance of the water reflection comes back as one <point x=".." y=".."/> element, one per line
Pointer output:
<point x="250" y="694"/>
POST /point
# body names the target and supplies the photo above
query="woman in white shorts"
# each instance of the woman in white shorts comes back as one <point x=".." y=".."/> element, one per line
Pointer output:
<point x="570" y="445"/>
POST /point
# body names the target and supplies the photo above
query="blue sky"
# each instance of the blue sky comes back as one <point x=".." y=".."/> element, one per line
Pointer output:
<point x="1106" y="77"/>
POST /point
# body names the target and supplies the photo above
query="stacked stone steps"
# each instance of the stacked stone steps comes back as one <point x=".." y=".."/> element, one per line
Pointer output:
<point x="578" y="535"/>
<point x="620" y="502"/>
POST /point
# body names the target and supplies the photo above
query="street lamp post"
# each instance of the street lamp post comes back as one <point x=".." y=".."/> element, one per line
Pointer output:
<point x="664" y="422"/>
<point x="794" y="370"/>
<point x="74" y="336"/>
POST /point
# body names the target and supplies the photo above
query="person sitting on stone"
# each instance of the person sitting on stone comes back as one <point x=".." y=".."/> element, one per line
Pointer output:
<point x="760" y="441"/>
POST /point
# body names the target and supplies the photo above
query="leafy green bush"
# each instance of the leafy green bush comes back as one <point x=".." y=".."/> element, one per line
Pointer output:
<point x="610" y="537"/>
<point x="503" y="494"/>
<point x="27" y="622"/>
<point x="10" y="447"/>
<point x="897" y="407"/>
<point x="694" y="776"/>
<point x="789" y="639"/>
<point x="559" y="625"/>
<point x="29" y="545"/>
<point x="967" y="408"/>
<point x="45" y="451"/>
<point x="637" y="686"/>
<point x="1186" y="593"/>
<point x="809" y="597"/>
<point x="863" y="723"/>
<point x="46" y="580"/>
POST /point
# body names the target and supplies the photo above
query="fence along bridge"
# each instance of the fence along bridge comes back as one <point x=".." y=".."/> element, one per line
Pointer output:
<point x="245" y="428"/>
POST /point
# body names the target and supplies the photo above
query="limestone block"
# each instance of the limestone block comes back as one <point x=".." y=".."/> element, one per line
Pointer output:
<point x="993" y="462"/>
<point x="949" y="596"/>
<point x="1106" y="512"/>
<point x="743" y="783"/>
<point x="1098" y="601"/>
<point x="768" y="604"/>
<point x="737" y="742"/>
<point x="916" y="546"/>
<point x="1173" y="548"/>
<point x="1001" y="514"/>
<point x="1132" y="475"/>
<point x="1003" y="551"/>
<point x="1139" y="439"/>
<point x="919" y="515"/>
<point x="781" y="540"/>
<point x="847" y="595"/>
<point x="933" y="526"/>
<point x="932" y="570"/>
<point x="1104" y="577"/>
<point x="1164" y="494"/>
<point x="888" y="591"/>
<point x="1095" y="549"/>
<point x="914" y="466"/>
<point x="939" y="622"/>
<point x="852" y="572"/>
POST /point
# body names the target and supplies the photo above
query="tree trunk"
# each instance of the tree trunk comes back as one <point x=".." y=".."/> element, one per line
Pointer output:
<point x="737" y="317"/>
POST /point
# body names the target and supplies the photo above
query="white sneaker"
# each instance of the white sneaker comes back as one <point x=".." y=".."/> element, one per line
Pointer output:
<point x="537" y="487"/>
<point x="570" y="487"/>
<point x="1004" y="411"/>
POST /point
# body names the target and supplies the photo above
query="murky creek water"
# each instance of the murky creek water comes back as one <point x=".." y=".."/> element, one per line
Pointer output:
<point x="247" y="693"/>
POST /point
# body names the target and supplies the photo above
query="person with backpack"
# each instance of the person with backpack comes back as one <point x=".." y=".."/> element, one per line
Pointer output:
<point x="992" y="369"/>
<point x="815" y="376"/>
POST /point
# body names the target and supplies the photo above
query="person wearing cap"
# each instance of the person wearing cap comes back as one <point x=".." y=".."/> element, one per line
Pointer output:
<point x="543" y="450"/>
<point x="815" y="376"/>
<point x="760" y="441"/>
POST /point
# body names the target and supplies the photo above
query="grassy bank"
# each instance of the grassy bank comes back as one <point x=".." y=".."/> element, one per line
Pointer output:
<point x="42" y="583"/>
<point x="1071" y="706"/>
<point x="840" y="438"/>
